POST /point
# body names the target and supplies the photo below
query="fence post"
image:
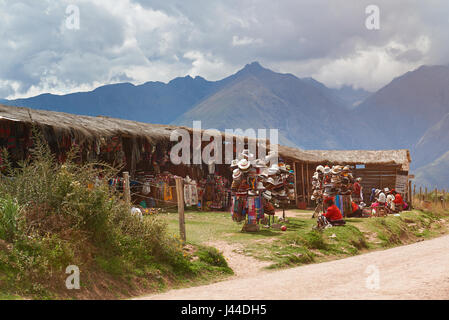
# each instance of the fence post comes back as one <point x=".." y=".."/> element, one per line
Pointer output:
<point x="425" y="195"/>
<point x="443" y="200"/>
<point x="410" y="194"/>
<point x="436" y="196"/>
<point x="180" y="196"/>
<point x="420" y="193"/>
<point x="126" y="188"/>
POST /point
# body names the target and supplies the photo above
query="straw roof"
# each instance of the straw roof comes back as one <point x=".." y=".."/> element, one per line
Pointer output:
<point x="297" y="154"/>
<point x="88" y="127"/>
<point x="400" y="156"/>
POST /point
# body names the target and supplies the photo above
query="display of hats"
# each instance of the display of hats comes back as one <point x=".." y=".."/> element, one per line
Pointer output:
<point x="244" y="164"/>
<point x="260" y="186"/>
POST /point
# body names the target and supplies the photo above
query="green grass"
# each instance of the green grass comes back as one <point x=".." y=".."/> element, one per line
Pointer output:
<point x="300" y="244"/>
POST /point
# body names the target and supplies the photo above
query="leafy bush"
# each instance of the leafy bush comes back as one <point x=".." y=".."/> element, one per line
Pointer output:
<point x="57" y="214"/>
<point x="9" y="219"/>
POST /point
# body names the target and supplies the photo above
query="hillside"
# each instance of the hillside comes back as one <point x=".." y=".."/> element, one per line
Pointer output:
<point x="435" y="174"/>
<point x="433" y="144"/>
<point x="305" y="111"/>
<point x="404" y="109"/>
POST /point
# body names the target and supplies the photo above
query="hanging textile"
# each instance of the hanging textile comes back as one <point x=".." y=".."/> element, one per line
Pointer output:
<point x="252" y="215"/>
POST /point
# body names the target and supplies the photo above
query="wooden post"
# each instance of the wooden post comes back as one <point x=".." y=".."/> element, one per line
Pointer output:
<point x="126" y="188"/>
<point x="443" y="200"/>
<point x="420" y="193"/>
<point x="296" y="187"/>
<point x="436" y="196"/>
<point x="180" y="194"/>
<point x="425" y="194"/>
<point x="308" y="185"/>
<point x="410" y="193"/>
<point x="303" y="184"/>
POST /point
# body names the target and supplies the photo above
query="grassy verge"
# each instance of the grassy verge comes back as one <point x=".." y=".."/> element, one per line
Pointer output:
<point x="53" y="216"/>
<point x="302" y="245"/>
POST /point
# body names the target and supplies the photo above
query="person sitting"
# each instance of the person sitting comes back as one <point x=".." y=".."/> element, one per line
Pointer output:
<point x="398" y="202"/>
<point x="333" y="214"/>
<point x="356" y="211"/>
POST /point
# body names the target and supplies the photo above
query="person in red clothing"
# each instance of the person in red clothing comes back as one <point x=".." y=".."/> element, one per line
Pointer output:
<point x="398" y="201"/>
<point x="356" y="210"/>
<point x="333" y="214"/>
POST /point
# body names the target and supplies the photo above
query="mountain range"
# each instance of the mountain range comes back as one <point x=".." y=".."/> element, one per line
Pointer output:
<point x="412" y="111"/>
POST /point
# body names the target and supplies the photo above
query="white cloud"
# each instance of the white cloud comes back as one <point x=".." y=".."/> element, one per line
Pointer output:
<point x="243" y="41"/>
<point x="157" y="40"/>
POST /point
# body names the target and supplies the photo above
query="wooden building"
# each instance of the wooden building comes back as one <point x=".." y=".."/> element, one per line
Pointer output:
<point x="377" y="168"/>
<point x="139" y="144"/>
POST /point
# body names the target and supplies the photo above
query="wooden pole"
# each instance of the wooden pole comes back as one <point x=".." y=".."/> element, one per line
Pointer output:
<point x="420" y="193"/>
<point x="443" y="200"/>
<point x="308" y="184"/>
<point x="180" y="194"/>
<point x="296" y="187"/>
<point x="436" y="196"/>
<point x="425" y="194"/>
<point x="410" y="193"/>
<point x="126" y="188"/>
<point x="303" y="184"/>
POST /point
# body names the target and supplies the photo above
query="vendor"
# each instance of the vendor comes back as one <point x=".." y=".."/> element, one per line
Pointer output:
<point x="356" y="210"/>
<point x="333" y="214"/>
<point x="398" y="202"/>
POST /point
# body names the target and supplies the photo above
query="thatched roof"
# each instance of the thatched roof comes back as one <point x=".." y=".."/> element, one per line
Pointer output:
<point x="400" y="156"/>
<point x="297" y="154"/>
<point x="87" y="126"/>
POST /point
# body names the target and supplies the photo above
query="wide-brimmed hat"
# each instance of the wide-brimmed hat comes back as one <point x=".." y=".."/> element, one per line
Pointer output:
<point x="236" y="174"/>
<point x="260" y="186"/>
<point x="386" y="190"/>
<point x="326" y="169"/>
<point x="244" y="164"/>
<point x="234" y="163"/>
<point x="273" y="170"/>
<point x="336" y="170"/>
<point x="346" y="168"/>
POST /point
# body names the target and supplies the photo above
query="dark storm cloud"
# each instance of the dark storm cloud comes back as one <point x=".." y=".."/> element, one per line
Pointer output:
<point x="157" y="40"/>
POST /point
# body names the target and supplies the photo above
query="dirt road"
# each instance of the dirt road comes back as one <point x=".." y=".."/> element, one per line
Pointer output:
<point x="417" y="271"/>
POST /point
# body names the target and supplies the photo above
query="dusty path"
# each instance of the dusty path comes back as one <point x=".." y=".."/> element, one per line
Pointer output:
<point x="416" y="271"/>
<point x="239" y="262"/>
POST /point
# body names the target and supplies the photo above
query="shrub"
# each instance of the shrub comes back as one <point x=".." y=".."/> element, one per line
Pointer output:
<point x="9" y="219"/>
<point x="59" y="214"/>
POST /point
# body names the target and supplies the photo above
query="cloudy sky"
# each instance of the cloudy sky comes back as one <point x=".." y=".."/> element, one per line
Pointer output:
<point x="43" y="50"/>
